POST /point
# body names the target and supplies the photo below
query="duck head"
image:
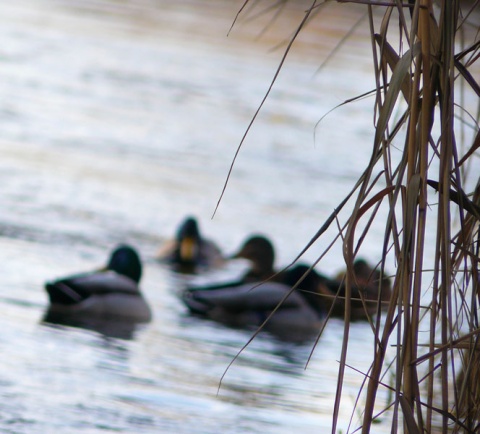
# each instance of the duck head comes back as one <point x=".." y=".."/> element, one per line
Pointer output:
<point x="126" y="261"/>
<point x="188" y="240"/>
<point x="369" y="278"/>
<point x="260" y="252"/>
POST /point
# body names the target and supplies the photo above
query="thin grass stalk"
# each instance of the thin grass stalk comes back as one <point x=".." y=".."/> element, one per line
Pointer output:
<point x="431" y="360"/>
<point x="411" y="377"/>
<point x="446" y="105"/>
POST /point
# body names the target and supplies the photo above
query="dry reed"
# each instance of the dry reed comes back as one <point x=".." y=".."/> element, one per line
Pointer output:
<point x="424" y="56"/>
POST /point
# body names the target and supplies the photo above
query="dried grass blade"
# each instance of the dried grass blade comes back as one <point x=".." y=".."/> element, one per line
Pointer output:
<point x="398" y="76"/>
<point x="409" y="416"/>
<point x="468" y="77"/>
<point x="277" y="72"/>
<point x="392" y="59"/>
<point x="473" y="148"/>
<point x="459" y="197"/>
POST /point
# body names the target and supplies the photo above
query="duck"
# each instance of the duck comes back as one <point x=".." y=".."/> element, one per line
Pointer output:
<point x="190" y="251"/>
<point x="261" y="293"/>
<point x="283" y="312"/>
<point x="111" y="293"/>
<point x="369" y="288"/>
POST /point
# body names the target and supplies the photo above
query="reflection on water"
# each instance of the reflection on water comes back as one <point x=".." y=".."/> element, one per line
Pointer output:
<point x="117" y="120"/>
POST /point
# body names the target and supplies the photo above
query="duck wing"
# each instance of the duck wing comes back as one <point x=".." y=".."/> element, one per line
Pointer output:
<point x="266" y="296"/>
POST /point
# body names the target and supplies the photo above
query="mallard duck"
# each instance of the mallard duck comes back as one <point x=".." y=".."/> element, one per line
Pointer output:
<point x="239" y="304"/>
<point x="249" y="300"/>
<point x="189" y="250"/>
<point x="368" y="288"/>
<point x="111" y="292"/>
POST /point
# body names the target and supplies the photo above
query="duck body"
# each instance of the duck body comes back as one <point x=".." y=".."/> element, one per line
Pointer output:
<point x="249" y="305"/>
<point x="189" y="251"/>
<point x="99" y="294"/>
<point x="290" y="314"/>
<point x="109" y="293"/>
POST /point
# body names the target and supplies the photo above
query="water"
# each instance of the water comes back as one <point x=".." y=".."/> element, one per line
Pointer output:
<point x="116" y="120"/>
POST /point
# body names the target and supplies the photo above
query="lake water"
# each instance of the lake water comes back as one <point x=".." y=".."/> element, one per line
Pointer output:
<point x="117" y="119"/>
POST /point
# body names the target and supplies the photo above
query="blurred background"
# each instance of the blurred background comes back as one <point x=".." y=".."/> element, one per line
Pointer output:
<point x="118" y="119"/>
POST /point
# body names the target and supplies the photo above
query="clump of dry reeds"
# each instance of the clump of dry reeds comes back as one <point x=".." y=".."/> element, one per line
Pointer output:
<point x="424" y="74"/>
<point x="424" y="56"/>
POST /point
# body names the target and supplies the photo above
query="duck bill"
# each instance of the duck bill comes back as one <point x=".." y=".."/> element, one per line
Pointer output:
<point x="188" y="249"/>
<point x="241" y="254"/>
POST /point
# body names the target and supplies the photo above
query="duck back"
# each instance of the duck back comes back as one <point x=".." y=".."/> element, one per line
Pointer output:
<point x="106" y="294"/>
<point x="289" y="315"/>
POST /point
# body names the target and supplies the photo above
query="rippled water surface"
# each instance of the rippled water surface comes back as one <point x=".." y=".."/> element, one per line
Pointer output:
<point x="118" y="118"/>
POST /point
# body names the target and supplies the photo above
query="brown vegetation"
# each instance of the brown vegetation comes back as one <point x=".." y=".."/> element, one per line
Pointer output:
<point x="424" y="56"/>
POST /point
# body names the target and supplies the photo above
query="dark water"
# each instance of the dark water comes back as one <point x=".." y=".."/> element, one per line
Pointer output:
<point x="116" y="120"/>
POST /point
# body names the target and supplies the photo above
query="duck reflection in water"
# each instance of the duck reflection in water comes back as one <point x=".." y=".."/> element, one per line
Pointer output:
<point x="108" y="300"/>
<point x="189" y="252"/>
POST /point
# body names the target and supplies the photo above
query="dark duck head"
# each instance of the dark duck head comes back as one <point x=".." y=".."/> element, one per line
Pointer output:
<point x="371" y="281"/>
<point x="260" y="252"/>
<point x="125" y="260"/>
<point x="188" y="242"/>
<point x="368" y="286"/>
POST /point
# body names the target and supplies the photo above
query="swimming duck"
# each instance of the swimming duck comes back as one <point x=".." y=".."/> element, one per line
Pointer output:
<point x="189" y="250"/>
<point x="109" y="293"/>
<point x="249" y="304"/>
<point x="368" y="285"/>
<point x="249" y="300"/>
